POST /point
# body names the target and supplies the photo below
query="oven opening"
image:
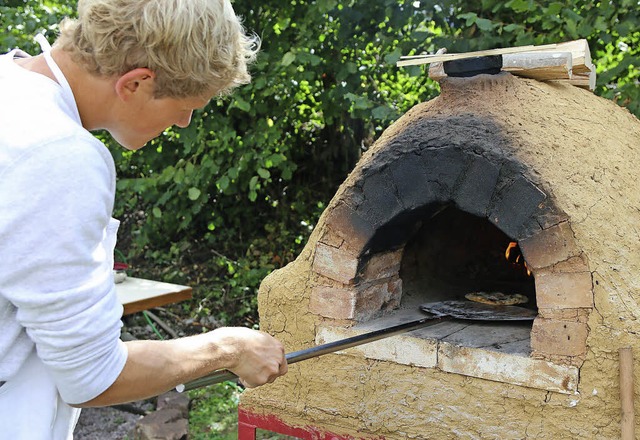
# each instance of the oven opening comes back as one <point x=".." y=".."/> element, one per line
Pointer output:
<point x="454" y="255"/>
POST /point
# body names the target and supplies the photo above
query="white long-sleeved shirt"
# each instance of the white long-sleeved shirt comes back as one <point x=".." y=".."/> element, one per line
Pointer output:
<point x="57" y="186"/>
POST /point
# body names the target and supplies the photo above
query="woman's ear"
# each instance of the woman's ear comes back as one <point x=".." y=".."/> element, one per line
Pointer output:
<point x="135" y="82"/>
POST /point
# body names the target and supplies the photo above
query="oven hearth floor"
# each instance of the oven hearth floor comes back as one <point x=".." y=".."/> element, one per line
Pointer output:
<point x="495" y="351"/>
<point x="508" y="338"/>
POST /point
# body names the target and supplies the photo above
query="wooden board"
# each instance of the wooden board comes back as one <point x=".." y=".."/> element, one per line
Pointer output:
<point x="539" y="65"/>
<point x="578" y="48"/>
<point x="137" y="294"/>
<point x="416" y="60"/>
<point x="580" y="54"/>
<point x="542" y="66"/>
<point x="569" y="61"/>
<point x="585" y="81"/>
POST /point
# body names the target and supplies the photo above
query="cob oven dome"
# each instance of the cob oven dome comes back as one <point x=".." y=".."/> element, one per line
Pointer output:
<point x="495" y="161"/>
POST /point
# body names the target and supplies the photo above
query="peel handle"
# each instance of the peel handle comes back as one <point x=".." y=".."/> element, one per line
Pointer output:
<point x="319" y="350"/>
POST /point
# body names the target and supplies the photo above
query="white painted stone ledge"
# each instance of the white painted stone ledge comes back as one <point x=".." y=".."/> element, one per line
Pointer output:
<point x="420" y="350"/>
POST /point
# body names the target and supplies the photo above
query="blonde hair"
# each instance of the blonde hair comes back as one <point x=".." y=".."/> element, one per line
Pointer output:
<point x="192" y="46"/>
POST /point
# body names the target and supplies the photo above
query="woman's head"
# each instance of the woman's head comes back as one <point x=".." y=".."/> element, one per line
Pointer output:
<point x="192" y="46"/>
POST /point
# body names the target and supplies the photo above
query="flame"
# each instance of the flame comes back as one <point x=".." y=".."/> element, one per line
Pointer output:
<point x="511" y="247"/>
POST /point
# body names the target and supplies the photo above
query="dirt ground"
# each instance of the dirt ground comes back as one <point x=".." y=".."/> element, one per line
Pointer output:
<point x="105" y="424"/>
<point x="111" y="423"/>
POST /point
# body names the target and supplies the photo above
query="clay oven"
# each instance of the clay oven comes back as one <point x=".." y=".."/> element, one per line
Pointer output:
<point x="499" y="184"/>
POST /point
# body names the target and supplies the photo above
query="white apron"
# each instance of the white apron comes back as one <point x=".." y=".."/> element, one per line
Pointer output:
<point x="30" y="405"/>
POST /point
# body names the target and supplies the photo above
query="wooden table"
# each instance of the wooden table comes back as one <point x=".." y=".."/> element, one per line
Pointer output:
<point x="137" y="294"/>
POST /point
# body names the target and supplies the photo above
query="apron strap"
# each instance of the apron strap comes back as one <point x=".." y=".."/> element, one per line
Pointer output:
<point x="66" y="88"/>
<point x="42" y="41"/>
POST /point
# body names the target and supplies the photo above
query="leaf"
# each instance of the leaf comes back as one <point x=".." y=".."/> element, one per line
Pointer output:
<point x="287" y="174"/>
<point x="189" y="134"/>
<point x="260" y="82"/>
<point x="241" y="104"/>
<point x="178" y="177"/>
<point x="511" y="27"/>
<point x="325" y="6"/>
<point x="157" y="212"/>
<point x="274" y="160"/>
<point x="572" y="15"/>
<point x="223" y="183"/>
<point x="194" y="193"/>
<point x="288" y="58"/>
<point x="362" y="103"/>
<point x="351" y="67"/>
<point x="521" y="5"/>
<point x="470" y="17"/>
<point x="554" y="8"/>
<point x="359" y="102"/>
<point x="393" y="57"/>
<point x="484" y="24"/>
<point x="265" y="174"/>
<point x="601" y="24"/>
<point x="309" y="58"/>
<point x="381" y="112"/>
<point x="253" y="183"/>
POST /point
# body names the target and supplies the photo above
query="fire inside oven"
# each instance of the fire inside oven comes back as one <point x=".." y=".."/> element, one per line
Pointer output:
<point x="453" y="255"/>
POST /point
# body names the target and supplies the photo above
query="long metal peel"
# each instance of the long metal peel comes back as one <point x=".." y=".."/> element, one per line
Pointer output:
<point x="438" y="312"/>
<point x="319" y="350"/>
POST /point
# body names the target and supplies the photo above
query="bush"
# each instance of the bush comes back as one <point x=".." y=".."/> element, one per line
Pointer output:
<point x="235" y="195"/>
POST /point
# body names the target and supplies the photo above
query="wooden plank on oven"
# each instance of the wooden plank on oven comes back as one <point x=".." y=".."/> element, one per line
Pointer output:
<point x="583" y="72"/>
<point x="436" y="69"/>
<point x="542" y="66"/>
<point x="585" y="81"/>
<point x="580" y="54"/>
<point x="569" y="61"/>
<point x="416" y="60"/>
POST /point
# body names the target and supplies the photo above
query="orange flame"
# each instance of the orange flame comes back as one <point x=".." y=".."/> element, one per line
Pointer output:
<point x="510" y="247"/>
<point x="507" y="254"/>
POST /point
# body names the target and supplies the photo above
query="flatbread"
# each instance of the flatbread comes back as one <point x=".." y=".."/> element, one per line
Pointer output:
<point x="497" y="298"/>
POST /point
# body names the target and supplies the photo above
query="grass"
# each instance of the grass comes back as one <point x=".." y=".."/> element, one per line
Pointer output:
<point x="214" y="414"/>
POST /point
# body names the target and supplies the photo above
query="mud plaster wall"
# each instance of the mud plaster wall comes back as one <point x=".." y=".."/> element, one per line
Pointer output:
<point x="587" y="150"/>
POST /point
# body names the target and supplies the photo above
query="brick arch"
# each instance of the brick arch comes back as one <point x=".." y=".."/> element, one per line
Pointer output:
<point x="358" y="255"/>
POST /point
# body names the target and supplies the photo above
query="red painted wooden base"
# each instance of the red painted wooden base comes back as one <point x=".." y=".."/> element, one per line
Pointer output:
<point x="248" y="422"/>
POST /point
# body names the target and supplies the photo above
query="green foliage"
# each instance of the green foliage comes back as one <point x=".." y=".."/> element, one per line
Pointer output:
<point x="213" y="413"/>
<point x="220" y="204"/>
<point x="248" y="179"/>
<point x="21" y="20"/>
<point x="611" y="28"/>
